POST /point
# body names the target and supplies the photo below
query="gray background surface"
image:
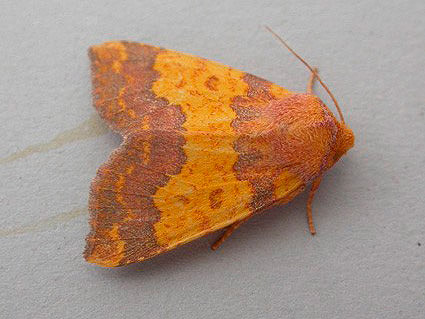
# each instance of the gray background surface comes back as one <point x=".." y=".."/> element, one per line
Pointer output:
<point x="368" y="258"/>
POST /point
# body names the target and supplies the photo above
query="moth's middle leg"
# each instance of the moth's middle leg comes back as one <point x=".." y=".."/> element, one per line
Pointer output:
<point x="229" y="230"/>
<point x="313" y="190"/>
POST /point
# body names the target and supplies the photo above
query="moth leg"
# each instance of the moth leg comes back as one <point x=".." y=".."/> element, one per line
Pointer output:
<point x="314" y="188"/>
<point x="229" y="230"/>
<point x="311" y="81"/>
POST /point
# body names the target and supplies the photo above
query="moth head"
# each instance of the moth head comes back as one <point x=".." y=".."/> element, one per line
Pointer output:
<point x="344" y="140"/>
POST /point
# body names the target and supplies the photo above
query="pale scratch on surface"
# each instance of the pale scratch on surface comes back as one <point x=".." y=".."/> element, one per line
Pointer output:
<point x="92" y="127"/>
<point x="44" y="223"/>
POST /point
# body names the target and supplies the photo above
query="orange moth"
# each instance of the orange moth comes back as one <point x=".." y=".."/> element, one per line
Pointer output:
<point x="205" y="147"/>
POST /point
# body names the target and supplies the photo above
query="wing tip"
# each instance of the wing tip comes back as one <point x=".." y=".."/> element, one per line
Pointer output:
<point x="103" y="251"/>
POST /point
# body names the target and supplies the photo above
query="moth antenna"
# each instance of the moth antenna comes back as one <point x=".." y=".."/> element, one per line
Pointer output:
<point x="279" y="38"/>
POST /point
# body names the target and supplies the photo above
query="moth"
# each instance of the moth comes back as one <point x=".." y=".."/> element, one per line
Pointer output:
<point x="205" y="147"/>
